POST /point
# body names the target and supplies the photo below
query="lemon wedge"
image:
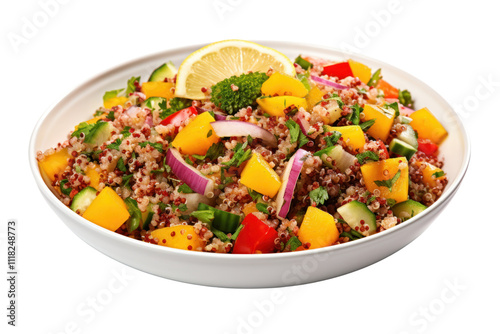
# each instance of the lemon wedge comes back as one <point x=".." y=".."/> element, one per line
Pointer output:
<point x="220" y="60"/>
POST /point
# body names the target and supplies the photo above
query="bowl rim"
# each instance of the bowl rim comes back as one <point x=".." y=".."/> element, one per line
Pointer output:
<point x="48" y="194"/>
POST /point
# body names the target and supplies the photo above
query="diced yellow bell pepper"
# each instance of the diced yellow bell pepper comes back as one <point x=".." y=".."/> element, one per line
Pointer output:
<point x="197" y="136"/>
<point x="259" y="176"/>
<point x="54" y="164"/>
<point x="249" y="208"/>
<point x="282" y="84"/>
<point x="385" y="170"/>
<point x="94" y="175"/>
<point x="363" y="72"/>
<point x="107" y="210"/>
<point x="428" y="174"/>
<point x="276" y="105"/>
<point x="115" y="101"/>
<point x="427" y="126"/>
<point x="384" y="118"/>
<point x="315" y="95"/>
<point x="318" y="229"/>
<point x="180" y="237"/>
<point x="94" y="120"/>
<point x="158" y="88"/>
<point x="352" y="135"/>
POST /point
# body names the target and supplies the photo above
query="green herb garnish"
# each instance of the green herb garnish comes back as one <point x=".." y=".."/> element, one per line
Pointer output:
<point x="319" y="195"/>
<point x="389" y="183"/>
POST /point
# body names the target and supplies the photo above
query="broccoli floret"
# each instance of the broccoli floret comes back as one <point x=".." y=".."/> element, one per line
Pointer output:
<point x="238" y="92"/>
<point x="176" y="104"/>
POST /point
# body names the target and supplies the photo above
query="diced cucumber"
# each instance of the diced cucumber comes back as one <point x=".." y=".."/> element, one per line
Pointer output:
<point x="305" y="81"/>
<point x="166" y="70"/>
<point x="99" y="133"/>
<point x="82" y="200"/>
<point x="409" y="136"/>
<point x="154" y="102"/>
<point x="404" y="119"/>
<point x="224" y="221"/>
<point x="358" y="217"/>
<point x="343" y="159"/>
<point x="400" y="147"/>
<point x="407" y="209"/>
<point x="147" y="216"/>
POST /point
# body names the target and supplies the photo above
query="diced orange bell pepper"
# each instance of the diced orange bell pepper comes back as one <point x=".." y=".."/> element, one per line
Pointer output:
<point x="429" y="174"/>
<point x="315" y="95"/>
<point x="427" y="126"/>
<point x="390" y="92"/>
<point x="363" y="72"/>
<point x="180" y="237"/>
<point x="115" y="101"/>
<point x="249" y="208"/>
<point x="94" y="175"/>
<point x="282" y="84"/>
<point x="197" y="136"/>
<point x="259" y="176"/>
<point x="318" y="229"/>
<point x="276" y="105"/>
<point x="352" y="135"/>
<point x="107" y="210"/>
<point x="384" y="118"/>
<point x="386" y="170"/>
<point x="54" y="164"/>
<point x="158" y="89"/>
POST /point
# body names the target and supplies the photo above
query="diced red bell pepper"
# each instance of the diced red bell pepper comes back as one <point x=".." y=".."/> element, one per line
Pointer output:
<point x="390" y="92"/>
<point x="255" y="237"/>
<point x="339" y="70"/>
<point x="385" y="153"/>
<point x="428" y="147"/>
<point x="180" y="116"/>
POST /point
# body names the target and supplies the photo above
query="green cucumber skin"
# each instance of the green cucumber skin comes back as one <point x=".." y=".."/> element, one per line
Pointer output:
<point x="409" y="136"/>
<point x="402" y="148"/>
<point x="404" y="209"/>
<point x="82" y="200"/>
<point x="154" y="102"/>
<point x="100" y="133"/>
<point x="354" y="211"/>
<point x="161" y="73"/>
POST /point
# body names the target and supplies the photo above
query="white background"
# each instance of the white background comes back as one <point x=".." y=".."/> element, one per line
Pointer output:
<point x="451" y="45"/>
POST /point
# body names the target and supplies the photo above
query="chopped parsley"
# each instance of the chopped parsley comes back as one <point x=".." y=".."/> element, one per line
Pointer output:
<point x="333" y="138"/>
<point x="319" y="195"/>
<point x="438" y="174"/>
<point x="64" y="190"/>
<point x="111" y="115"/>
<point x="368" y="124"/>
<point x="294" y="243"/>
<point x="240" y="155"/>
<point x="126" y="132"/>
<point x="184" y="188"/>
<point x="235" y="234"/>
<point x="157" y="146"/>
<point x="176" y="104"/>
<point x="115" y="145"/>
<point x="376" y="77"/>
<point x="255" y="195"/>
<point x="404" y="97"/>
<point x="354" y="116"/>
<point x="296" y="134"/>
<point x="394" y="106"/>
<point x="205" y="216"/>
<point x="131" y="85"/>
<point x="84" y="128"/>
<point x="126" y="180"/>
<point x="209" y="133"/>
<point x="367" y="156"/>
<point x="121" y="165"/>
<point x="262" y="207"/>
<point x="391" y="201"/>
<point x="389" y="183"/>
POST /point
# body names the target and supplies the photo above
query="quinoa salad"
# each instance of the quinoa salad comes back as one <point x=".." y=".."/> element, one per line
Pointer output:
<point x="316" y="153"/>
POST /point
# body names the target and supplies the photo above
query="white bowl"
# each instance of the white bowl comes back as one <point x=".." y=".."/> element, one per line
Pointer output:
<point x="245" y="271"/>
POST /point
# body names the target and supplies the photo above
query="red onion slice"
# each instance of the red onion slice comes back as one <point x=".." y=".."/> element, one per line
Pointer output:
<point x="327" y="82"/>
<point x="187" y="173"/>
<point x="242" y="129"/>
<point x="217" y="116"/>
<point x="303" y="122"/>
<point x="290" y="177"/>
